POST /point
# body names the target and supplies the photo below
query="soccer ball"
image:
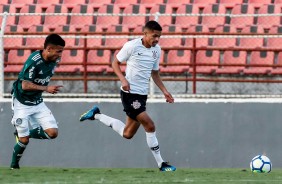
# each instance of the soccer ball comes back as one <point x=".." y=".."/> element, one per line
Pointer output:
<point x="261" y="164"/>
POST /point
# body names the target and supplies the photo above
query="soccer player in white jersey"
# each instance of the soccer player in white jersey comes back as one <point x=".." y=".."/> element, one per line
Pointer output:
<point x="142" y="56"/>
<point x="27" y="104"/>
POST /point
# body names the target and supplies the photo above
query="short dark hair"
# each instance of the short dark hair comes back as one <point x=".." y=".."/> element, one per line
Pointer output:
<point x="153" y="25"/>
<point x="54" y="39"/>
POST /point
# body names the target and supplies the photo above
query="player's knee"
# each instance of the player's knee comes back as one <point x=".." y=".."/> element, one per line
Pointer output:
<point x="52" y="133"/>
<point x="24" y="140"/>
<point x="128" y="136"/>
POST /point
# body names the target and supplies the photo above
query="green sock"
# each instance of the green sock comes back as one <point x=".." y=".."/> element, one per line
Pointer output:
<point x="17" y="154"/>
<point x="38" y="133"/>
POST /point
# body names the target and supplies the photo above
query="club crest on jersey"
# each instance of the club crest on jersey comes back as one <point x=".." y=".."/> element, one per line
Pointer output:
<point x="136" y="104"/>
<point x="19" y="121"/>
<point x="154" y="54"/>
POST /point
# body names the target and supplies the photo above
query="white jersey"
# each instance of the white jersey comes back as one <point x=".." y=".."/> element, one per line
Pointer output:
<point x="140" y="61"/>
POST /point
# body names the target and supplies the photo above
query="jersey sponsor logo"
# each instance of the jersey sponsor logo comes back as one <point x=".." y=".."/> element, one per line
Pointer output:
<point x="154" y="54"/>
<point x="136" y="104"/>
<point x="31" y="72"/>
<point x="41" y="72"/>
<point x="36" y="57"/>
<point x="42" y="81"/>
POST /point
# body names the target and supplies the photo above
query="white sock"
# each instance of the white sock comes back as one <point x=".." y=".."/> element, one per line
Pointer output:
<point x="115" y="124"/>
<point x="153" y="144"/>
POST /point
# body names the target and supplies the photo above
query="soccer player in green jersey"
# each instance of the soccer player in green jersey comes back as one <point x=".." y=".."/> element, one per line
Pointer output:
<point x="28" y="105"/>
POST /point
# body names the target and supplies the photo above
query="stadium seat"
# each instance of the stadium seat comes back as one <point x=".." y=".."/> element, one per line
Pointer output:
<point x="75" y="41"/>
<point x="115" y="42"/>
<point x="99" y="1"/>
<point x="231" y="3"/>
<point x="170" y="42"/>
<point x="275" y="42"/>
<point x="38" y="29"/>
<point x="200" y="42"/>
<point x="214" y="21"/>
<point x="118" y="28"/>
<point x="134" y="21"/>
<point x="260" y="58"/>
<point x="105" y="21"/>
<point x="127" y="2"/>
<point x="225" y="41"/>
<point x="54" y="21"/>
<point x="26" y="21"/>
<point x="277" y="69"/>
<point x="151" y="1"/>
<point x="172" y="2"/>
<point x="240" y="9"/>
<point x="139" y="29"/>
<point x="204" y="1"/>
<point x="81" y="21"/>
<point x="269" y="21"/>
<point x="71" y="61"/>
<point x="37" y="42"/>
<point x="16" y="59"/>
<point x="21" y="2"/>
<point x="98" y="60"/>
<point x="177" y="61"/>
<point x="13" y="42"/>
<point x="162" y="9"/>
<point x="277" y="1"/>
<point x="43" y="2"/>
<point x="74" y="2"/>
<point x="233" y="58"/>
<point x="11" y="20"/>
<point x="258" y="3"/>
<point x="186" y="21"/>
<point x="206" y="57"/>
<point x="252" y="42"/>
<point x="171" y="29"/>
<point x="93" y="42"/>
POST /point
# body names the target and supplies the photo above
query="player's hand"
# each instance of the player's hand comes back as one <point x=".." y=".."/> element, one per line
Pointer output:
<point x="53" y="89"/>
<point x="169" y="97"/>
<point x="125" y="85"/>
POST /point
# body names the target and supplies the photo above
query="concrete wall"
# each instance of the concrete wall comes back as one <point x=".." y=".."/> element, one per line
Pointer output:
<point x="191" y="135"/>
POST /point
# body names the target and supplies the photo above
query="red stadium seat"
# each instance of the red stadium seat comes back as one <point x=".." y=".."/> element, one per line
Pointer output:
<point x="251" y="42"/>
<point x="13" y="42"/>
<point x="93" y="42"/>
<point x="172" y="2"/>
<point x="231" y="3"/>
<point x="200" y="42"/>
<point x="118" y="28"/>
<point x="207" y="57"/>
<point x="69" y="57"/>
<point x="225" y="42"/>
<point x="73" y="2"/>
<point x="44" y="2"/>
<point x="204" y="1"/>
<point x="233" y="58"/>
<point x="74" y="41"/>
<point x="162" y="9"/>
<point x="99" y="2"/>
<point x="26" y="21"/>
<point x="115" y="42"/>
<point x="105" y="21"/>
<point x="171" y="29"/>
<point x="214" y="21"/>
<point x="260" y="58"/>
<point x="258" y="3"/>
<point x="170" y="42"/>
<point x="269" y="21"/>
<point x="177" y="61"/>
<point x="277" y="1"/>
<point x="151" y="1"/>
<point x="242" y="21"/>
<point x="277" y="69"/>
<point x="22" y="2"/>
<point x="98" y="60"/>
<point x="81" y="21"/>
<point x="134" y="21"/>
<point x="54" y="21"/>
<point x="186" y="21"/>
<point x="125" y="2"/>
<point x="275" y="42"/>
<point x="10" y="8"/>
<point x="16" y="59"/>
<point x="38" y="29"/>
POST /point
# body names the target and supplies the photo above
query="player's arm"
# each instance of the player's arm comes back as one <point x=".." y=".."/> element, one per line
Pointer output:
<point x="124" y="83"/>
<point x="158" y="81"/>
<point x="30" y="86"/>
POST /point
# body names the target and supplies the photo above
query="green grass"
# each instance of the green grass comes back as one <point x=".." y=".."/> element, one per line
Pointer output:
<point x="29" y="175"/>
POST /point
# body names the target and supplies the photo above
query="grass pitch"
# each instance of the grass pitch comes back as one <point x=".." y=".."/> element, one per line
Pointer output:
<point x="30" y="175"/>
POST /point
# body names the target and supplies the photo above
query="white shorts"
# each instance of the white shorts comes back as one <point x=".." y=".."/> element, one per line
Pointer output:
<point x="35" y="116"/>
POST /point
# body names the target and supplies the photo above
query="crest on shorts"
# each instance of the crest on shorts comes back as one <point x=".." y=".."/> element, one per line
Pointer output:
<point x="135" y="104"/>
<point x="19" y="121"/>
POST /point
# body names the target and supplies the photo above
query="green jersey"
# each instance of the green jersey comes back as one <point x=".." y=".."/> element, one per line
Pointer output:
<point x="37" y="71"/>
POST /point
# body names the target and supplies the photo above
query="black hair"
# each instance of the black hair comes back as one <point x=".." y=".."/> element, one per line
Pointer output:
<point x="54" y="39"/>
<point x="153" y="25"/>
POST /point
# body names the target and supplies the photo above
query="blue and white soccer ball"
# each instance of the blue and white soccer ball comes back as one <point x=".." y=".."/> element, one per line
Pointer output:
<point x="261" y="164"/>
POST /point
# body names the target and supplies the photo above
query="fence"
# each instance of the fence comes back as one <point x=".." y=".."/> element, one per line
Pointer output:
<point x="206" y="48"/>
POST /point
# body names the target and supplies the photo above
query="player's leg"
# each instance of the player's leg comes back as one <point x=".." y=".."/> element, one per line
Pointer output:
<point x="152" y="141"/>
<point x="20" y="121"/>
<point x="44" y="124"/>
